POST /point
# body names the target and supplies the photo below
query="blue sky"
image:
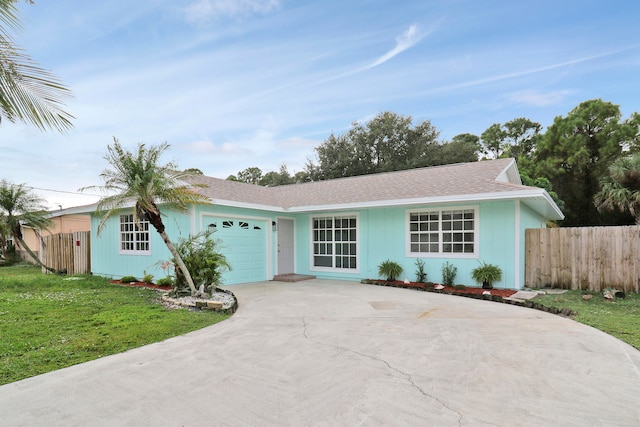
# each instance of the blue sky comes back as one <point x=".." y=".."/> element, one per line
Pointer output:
<point x="231" y="84"/>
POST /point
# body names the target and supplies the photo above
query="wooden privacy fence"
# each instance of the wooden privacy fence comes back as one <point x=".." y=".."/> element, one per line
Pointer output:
<point x="67" y="251"/>
<point x="585" y="258"/>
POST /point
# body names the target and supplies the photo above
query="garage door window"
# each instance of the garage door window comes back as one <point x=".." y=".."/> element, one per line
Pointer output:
<point x="335" y="242"/>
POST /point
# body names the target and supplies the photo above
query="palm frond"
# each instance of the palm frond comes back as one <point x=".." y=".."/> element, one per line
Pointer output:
<point x="28" y="92"/>
<point x="620" y="190"/>
<point x="139" y="178"/>
<point x="18" y="206"/>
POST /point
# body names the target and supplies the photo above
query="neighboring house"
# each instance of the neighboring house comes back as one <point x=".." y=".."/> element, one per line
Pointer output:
<point x="344" y="228"/>
<point x="62" y="221"/>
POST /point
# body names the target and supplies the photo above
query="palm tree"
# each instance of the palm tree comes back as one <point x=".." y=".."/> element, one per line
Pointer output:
<point x="621" y="188"/>
<point x="19" y="206"/>
<point x="139" y="178"/>
<point x="27" y="92"/>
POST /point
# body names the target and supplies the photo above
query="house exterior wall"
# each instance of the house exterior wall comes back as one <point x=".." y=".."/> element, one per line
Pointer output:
<point x="60" y="224"/>
<point x="108" y="261"/>
<point x="382" y="234"/>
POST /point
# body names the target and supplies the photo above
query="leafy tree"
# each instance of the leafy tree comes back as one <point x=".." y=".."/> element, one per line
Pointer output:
<point x="250" y="175"/>
<point x="139" y="177"/>
<point x="273" y="179"/>
<point x="18" y="207"/>
<point x="463" y="148"/>
<point x="621" y="188"/>
<point x="194" y="171"/>
<point x="388" y="142"/>
<point x="28" y="93"/>
<point x="516" y="138"/>
<point x="575" y="153"/>
<point x="310" y="173"/>
<point x="493" y="144"/>
<point x="521" y="135"/>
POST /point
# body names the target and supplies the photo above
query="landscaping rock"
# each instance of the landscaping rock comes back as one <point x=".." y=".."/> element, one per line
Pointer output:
<point x="214" y="305"/>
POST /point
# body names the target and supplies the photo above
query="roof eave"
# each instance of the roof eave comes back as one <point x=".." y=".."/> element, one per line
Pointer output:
<point x="247" y="205"/>
<point x="538" y="199"/>
<point x="510" y="174"/>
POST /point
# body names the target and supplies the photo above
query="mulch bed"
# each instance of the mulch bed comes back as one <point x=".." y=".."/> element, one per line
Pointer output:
<point x="504" y="293"/>
<point x="141" y="285"/>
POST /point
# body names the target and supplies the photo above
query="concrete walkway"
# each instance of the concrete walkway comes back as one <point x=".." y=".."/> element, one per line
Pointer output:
<point x="328" y="353"/>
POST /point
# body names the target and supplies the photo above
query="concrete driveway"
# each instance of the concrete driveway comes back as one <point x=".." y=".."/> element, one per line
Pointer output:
<point x="329" y="353"/>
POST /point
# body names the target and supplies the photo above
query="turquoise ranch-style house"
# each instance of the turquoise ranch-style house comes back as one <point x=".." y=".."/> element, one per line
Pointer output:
<point x="344" y="228"/>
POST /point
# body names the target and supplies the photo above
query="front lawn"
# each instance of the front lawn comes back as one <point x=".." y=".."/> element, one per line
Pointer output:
<point x="620" y="318"/>
<point x="48" y="322"/>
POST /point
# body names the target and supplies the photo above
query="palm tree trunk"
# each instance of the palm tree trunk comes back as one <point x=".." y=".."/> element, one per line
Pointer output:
<point x="35" y="258"/>
<point x="179" y="261"/>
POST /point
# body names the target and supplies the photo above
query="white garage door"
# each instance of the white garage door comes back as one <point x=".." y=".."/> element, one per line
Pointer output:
<point x="244" y="243"/>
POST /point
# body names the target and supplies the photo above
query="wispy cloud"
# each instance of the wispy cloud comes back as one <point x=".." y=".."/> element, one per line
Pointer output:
<point x="409" y="38"/>
<point x="539" y="99"/>
<point x="202" y="11"/>
<point x="208" y="147"/>
<point x="516" y="74"/>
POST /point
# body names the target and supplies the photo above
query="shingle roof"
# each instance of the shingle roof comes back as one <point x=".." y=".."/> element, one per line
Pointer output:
<point x="484" y="180"/>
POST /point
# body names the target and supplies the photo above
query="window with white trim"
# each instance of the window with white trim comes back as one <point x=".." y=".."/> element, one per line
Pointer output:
<point x="446" y="231"/>
<point x="134" y="238"/>
<point x="335" y="242"/>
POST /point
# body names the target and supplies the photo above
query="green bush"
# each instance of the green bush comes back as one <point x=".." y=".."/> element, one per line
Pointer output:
<point x="203" y="260"/>
<point x="389" y="269"/>
<point x="165" y="281"/>
<point x="147" y="278"/>
<point x="421" y="275"/>
<point x="449" y="272"/>
<point x="487" y="274"/>
<point x="9" y="256"/>
<point x="128" y="279"/>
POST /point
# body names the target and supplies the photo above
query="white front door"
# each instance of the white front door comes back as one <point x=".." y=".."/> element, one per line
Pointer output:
<point x="286" y="256"/>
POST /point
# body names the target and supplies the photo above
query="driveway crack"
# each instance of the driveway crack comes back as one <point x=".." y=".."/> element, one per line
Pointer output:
<point x="388" y="365"/>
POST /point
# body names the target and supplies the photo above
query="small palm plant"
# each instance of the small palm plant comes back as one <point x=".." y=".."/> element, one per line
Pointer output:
<point x="487" y="274"/>
<point x="203" y="258"/>
<point x="390" y="269"/>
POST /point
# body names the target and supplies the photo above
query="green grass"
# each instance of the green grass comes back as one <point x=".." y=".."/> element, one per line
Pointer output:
<point x="620" y="318"/>
<point x="47" y="322"/>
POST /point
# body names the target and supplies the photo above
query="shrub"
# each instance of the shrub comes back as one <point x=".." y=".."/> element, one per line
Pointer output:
<point x="487" y="274"/>
<point x="203" y="260"/>
<point x="389" y="269"/>
<point x="147" y="278"/>
<point x="128" y="279"/>
<point x="9" y="256"/>
<point x="421" y="276"/>
<point x="165" y="281"/>
<point x="449" y="272"/>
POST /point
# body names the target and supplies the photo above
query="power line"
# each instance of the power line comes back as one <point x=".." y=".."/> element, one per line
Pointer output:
<point x="62" y="191"/>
